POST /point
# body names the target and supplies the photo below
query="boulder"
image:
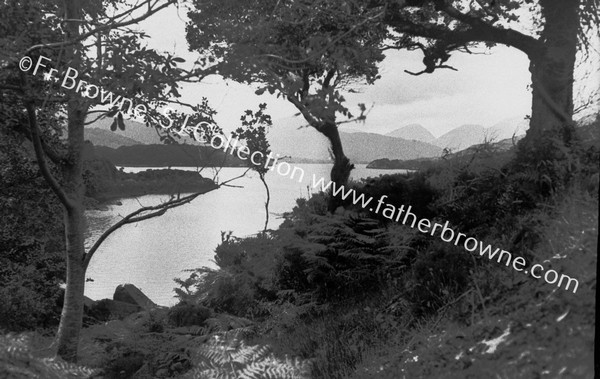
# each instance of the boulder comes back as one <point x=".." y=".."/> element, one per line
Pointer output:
<point x="128" y="293"/>
<point x="105" y="309"/>
<point x="87" y="302"/>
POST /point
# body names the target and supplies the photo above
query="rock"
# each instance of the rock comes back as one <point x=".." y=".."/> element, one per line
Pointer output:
<point x="87" y="302"/>
<point x="128" y="293"/>
<point x="145" y="372"/>
<point x="104" y="309"/>
<point x="121" y="309"/>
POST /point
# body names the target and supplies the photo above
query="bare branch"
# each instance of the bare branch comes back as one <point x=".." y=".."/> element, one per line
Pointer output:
<point x="136" y="216"/>
<point x="155" y="211"/>
<point x="235" y="178"/>
<point x="40" y="156"/>
<point x="427" y="71"/>
<point x="83" y="36"/>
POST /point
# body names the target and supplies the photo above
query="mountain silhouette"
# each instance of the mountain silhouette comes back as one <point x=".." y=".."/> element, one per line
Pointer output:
<point x="413" y="132"/>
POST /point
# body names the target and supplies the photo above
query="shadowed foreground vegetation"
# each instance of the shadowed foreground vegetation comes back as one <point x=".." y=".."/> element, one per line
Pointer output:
<point x="355" y="295"/>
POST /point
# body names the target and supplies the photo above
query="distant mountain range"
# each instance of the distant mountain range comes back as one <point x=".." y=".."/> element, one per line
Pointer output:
<point x="288" y="138"/>
<point x="285" y="138"/>
<point x="463" y="136"/>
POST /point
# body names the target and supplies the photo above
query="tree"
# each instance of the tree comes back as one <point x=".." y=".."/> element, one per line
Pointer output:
<point x="254" y="133"/>
<point x="439" y="27"/>
<point x="60" y="62"/>
<point x="306" y="52"/>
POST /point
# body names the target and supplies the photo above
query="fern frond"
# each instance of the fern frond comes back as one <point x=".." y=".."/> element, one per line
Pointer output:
<point x="225" y="356"/>
<point x="17" y="361"/>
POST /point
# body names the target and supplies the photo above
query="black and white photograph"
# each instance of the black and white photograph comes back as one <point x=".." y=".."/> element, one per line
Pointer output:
<point x="298" y="189"/>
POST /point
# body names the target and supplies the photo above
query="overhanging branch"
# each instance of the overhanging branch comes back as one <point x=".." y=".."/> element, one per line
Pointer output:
<point x="477" y="32"/>
<point x="137" y="216"/>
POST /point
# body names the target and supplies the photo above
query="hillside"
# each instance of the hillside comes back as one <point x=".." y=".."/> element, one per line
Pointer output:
<point x="507" y="128"/>
<point x="105" y="137"/>
<point x="413" y="132"/>
<point x="361" y="147"/>
<point x="168" y="155"/>
<point x="501" y="149"/>
<point x="462" y="137"/>
<point x="105" y="182"/>
<point x="133" y="130"/>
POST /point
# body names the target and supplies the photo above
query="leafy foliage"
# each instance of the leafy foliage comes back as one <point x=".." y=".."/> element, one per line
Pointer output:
<point x="185" y="314"/>
<point x="292" y="48"/>
<point x="246" y="275"/>
<point x="304" y="52"/>
<point x="227" y="357"/>
<point x="31" y="260"/>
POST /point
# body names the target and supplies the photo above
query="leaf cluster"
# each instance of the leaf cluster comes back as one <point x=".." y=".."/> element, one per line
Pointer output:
<point x="303" y="51"/>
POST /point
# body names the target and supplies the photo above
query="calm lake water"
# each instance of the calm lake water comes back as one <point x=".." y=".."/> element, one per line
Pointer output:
<point x="153" y="252"/>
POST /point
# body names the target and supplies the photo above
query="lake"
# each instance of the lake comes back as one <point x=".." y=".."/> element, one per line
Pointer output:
<point x="153" y="252"/>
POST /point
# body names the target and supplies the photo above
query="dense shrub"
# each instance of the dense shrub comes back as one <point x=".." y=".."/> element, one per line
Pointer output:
<point x="412" y="190"/>
<point x="246" y="276"/>
<point x="312" y="257"/>
<point x="437" y="276"/>
<point x="186" y="314"/>
<point x="333" y="257"/>
<point x="31" y="244"/>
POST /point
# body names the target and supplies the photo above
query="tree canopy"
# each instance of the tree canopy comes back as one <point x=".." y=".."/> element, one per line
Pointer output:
<point x="306" y="52"/>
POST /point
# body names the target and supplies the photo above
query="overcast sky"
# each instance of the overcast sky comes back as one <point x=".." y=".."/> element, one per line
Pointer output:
<point x="486" y="89"/>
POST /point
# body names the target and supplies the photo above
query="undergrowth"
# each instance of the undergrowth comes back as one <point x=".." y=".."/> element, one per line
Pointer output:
<point x="338" y="288"/>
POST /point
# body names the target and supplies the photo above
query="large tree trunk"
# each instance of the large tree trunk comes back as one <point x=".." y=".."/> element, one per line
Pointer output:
<point x="340" y="172"/>
<point x="552" y="71"/>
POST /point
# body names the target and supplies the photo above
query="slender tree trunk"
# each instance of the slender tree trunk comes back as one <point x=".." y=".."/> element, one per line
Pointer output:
<point x="72" y="313"/>
<point x="340" y="172"/>
<point x="552" y="71"/>
<point x="262" y="178"/>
